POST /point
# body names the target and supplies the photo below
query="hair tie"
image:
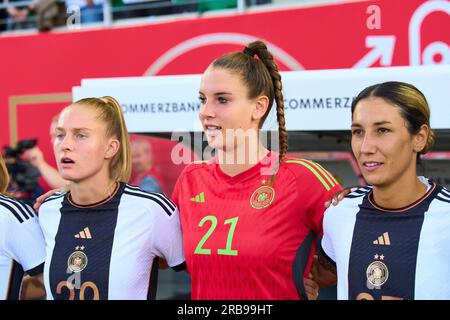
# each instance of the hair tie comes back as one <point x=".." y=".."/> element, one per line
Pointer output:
<point x="249" y="52"/>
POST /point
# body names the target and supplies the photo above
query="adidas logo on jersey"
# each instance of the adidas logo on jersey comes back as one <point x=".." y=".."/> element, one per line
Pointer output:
<point x="383" y="240"/>
<point x="199" y="198"/>
<point x="84" y="234"/>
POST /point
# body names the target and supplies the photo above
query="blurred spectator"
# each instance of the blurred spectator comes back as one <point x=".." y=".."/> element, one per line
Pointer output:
<point x="17" y="16"/>
<point x="143" y="173"/>
<point x="36" y="158"/>
<point x="50" y="174"/>
<point x="141" y="8"/>
<point x="257" y="2"/>
<point x="181" y="6"/>
<point x="48" y="14"/>
<point x="3" y="19"/>
<point x="89" y="10"/>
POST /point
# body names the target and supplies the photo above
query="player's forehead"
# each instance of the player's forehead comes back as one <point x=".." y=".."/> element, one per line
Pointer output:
<point x="217" y="81"/>
<point x="376" y="111"/>
<point x="79" y="118"/>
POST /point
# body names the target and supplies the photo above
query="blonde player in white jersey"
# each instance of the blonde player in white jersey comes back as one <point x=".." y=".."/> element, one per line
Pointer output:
<point x="22" y="246"/>
<point x="103" y="236"/>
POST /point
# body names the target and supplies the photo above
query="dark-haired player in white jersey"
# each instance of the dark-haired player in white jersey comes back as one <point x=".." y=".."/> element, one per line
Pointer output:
<point x="22" y="246"/>
<point x="103" y="237"/>
<point x="389" y="240"/>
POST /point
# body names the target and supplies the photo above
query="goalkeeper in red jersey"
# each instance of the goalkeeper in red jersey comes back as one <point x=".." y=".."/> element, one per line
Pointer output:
<point x="250" y="217"/>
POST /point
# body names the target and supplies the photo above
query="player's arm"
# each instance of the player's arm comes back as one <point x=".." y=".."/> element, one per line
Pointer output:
<point x="33" y="288"/>
<point x="338" y="196"/>
<point x="323" y="270"/>
<point x="167" y="239"/>
<point x="25" y="244"/>
<point x="50" y="174"/>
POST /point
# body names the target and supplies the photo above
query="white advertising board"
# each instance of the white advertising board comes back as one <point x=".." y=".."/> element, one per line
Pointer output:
<point x="314" y="100"/>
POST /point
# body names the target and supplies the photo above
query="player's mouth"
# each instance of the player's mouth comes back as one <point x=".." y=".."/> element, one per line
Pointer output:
<point x="66" y="162"/>
<point x="372" y="165"/>
<point x="212" y="129"/>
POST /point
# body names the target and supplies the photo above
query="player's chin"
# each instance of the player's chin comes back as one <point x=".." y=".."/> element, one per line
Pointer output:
<point x="69" y="176"/>
<point x="374" y="180"/>
<point x="214" y="143"/>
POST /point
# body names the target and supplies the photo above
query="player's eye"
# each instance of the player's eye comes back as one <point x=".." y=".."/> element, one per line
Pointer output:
<point x="383" y="130"/>
<point x="222" y="100"/>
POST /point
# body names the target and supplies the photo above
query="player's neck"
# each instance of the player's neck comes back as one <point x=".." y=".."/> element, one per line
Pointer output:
<point x="400" y="194"/>
<point x="89" y="192"/>
<point x="233" y="162"/>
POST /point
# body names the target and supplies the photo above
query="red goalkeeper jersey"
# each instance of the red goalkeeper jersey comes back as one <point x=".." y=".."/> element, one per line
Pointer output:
<point x="252" y="236"/>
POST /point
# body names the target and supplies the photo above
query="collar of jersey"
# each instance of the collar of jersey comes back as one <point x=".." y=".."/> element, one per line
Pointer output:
<point x="248" y="174"/>
<point x="96" y="204"/>
<point x="412" y="205"/>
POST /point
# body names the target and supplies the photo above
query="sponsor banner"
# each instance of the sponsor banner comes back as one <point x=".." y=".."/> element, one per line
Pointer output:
<point x="314" y="100"/>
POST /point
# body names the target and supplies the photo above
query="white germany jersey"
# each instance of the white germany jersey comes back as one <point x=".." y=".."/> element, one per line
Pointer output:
<point x="390" y="254"/>
<point x="109" y="250"/>
<point x="22" y="246"/>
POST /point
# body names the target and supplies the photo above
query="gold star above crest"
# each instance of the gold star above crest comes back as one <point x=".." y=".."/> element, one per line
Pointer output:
<point x="264" y="181"/>
<point x="382" y="257"/>
<point x="376" y="256"/>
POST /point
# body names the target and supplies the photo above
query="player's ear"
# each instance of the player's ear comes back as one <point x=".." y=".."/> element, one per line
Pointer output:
<point x="420" y="138"/>
<point x="112" y="147"/>
<point x="262" y="104"/>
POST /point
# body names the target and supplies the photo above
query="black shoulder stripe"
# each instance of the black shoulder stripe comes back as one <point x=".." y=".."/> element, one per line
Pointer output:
<point x="353" y="196"/>
<point x="156" y="194"/>
<point x="445" y="192"/>
<point x="54" y="197"/>
<point x="16" y="204"/>
<point x="27" y="208"/>
<point x="166" y="200"/>
<point x="26" y="211"/>
<point x="148" y="196"/>
<point x="442" y="199"/>
<point x="129" y="186"/>
<point x="11" y="209"/>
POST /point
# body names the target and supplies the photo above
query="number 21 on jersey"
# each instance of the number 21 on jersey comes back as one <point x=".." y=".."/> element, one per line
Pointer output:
<point x="228" y="246"/>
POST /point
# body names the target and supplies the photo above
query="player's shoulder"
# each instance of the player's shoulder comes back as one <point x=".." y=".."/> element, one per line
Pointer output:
<point x="443" y="195"/>
<point x="52" y="202"/>
<point x="350" y="203"/>
<point x="359" y="192"/>
<point x="197" y="165"/>
<point x="308" y="171"/>
<point x="150" y="199"/>
<point x="195" y="169"/>
<point x="14" y="210"/>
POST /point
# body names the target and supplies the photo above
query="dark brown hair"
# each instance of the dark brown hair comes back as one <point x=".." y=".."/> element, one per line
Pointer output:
<point x="411" y="101"/>
<point x="261" y="77"/>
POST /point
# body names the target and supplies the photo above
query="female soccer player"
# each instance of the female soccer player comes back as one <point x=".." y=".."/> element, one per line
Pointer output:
<point x="389" y="240"/>
<point x="22" y="245"/>
<point x="103" y="236"/>
<point x="249" y="226"/>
